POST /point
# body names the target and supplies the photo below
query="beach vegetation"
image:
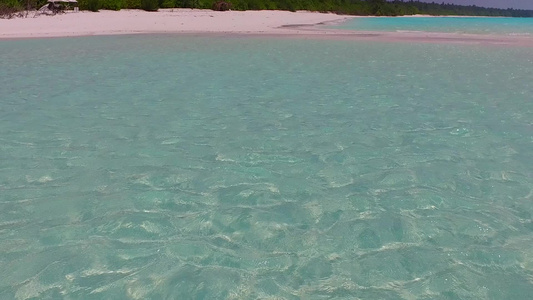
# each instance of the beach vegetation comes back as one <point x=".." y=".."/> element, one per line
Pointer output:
<point x="10" y="9"/>
<point x="191" y="4"/>
<point x="131" y="4"/>
<point x="167" y="3"/>
<point x="150" y="5"/>
<point x="221" y="6"/>
<point x="111" y="4"/>
<point x="90" y="5"/>
<point x="14" y="8"/>
<point x="93" y="5"/>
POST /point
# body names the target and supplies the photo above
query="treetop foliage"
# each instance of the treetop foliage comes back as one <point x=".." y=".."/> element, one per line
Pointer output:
<point x="350" y="7"/>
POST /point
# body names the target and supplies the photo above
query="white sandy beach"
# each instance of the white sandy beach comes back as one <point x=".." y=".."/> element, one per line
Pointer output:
<point x="104" y="22"/>
<point x="188" y="21"/>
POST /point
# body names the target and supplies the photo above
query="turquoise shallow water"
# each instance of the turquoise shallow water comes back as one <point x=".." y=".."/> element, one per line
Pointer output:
<point x="167" y="167"/>
<point x="472" y="25"/>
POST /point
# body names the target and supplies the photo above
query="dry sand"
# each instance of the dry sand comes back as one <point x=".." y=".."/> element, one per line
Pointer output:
<point x="188" y="21"/>
<point x="164" y="21"/>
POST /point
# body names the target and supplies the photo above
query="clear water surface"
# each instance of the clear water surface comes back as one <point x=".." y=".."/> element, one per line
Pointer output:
<point x="168" y="167"/>
<point x="471" y="25"/>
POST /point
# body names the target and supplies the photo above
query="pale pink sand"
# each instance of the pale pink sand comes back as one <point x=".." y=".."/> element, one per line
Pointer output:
<point x="188" y="21"/>
<point x="163" y="21"/>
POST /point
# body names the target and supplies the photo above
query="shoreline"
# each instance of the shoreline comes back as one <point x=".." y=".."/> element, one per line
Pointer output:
<point x="266" y="23"/>
<point x="105" y="22"/>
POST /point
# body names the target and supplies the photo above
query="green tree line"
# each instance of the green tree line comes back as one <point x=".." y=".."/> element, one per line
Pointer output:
<point x="350" y="7"/>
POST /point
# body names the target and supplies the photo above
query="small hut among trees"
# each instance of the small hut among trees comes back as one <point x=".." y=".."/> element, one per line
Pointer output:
<point x="58" y="6"/>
